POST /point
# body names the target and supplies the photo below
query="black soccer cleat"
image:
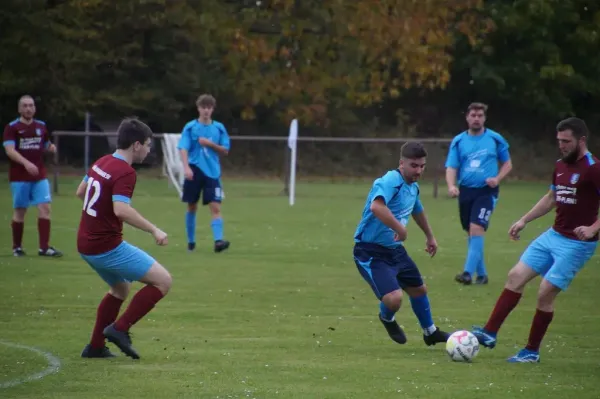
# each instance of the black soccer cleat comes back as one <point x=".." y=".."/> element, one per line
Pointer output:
<point x="51" y="252"/>
<point x="481" y="280"/>
<point x="221" y="245"/>
<point x="438" y="337"/>
<point x="464" y="278"/>
<point x="93" y="353"/>
<point x="122" y="339"/>
<point x="191" y="246"/>
<point x="394" y="331"/>
<point x="18" y="252"/>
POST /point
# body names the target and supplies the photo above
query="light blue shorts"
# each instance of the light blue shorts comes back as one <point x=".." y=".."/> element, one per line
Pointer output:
<point x="558" y="258"/>
<point x="30" y="193"/>
<point x="125" y="263"/>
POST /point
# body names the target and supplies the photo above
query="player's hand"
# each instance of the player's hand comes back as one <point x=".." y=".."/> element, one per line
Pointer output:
<point x="205" y="142"/>
<point x="188" y="173"/>
<point x="584" y="233"/>
<point x="32" y="169"/>
<point x="453" y="191"/>
<point x="160" y="237"/>
<point x="492" y="182"/>
<point x="431" y="246"/>
<point x="515" y="230"/>
<point x="51" y="148"/>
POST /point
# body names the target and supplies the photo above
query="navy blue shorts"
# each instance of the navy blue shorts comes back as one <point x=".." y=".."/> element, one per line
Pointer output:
<point x="385" y="269"/>
<point x="201" y="184"/>
<point x="476" y="206"/>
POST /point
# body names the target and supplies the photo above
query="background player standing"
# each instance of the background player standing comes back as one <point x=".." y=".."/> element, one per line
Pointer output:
<point x="560" y="252"/>
<point x="25" y="141"/>
<point x="379" y="253"/>
<point x="203" y="141"/>
<point x="473" y="158"/>
<point x="106" y="192"/>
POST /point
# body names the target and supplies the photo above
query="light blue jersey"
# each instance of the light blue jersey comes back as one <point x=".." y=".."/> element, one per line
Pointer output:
<point x="204" y="158"/>
<point x="400" y="197"/>
<point x="476" y="157"/>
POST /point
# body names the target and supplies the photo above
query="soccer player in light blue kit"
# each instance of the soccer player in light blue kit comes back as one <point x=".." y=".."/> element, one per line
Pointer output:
<point x="203" y="141"/>
<point x="379" y="252"/>
<point x="474" y="158"/>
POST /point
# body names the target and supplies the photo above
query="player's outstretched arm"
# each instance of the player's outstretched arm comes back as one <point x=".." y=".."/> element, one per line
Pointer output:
<point x="383" y="213"/>
<point x="423" y="223"/>
<point x="132" y="217"/>
<point x="543" y="206"/>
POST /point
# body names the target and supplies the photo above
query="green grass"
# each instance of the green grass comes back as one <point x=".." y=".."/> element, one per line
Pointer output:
<point x="284" y="313"/>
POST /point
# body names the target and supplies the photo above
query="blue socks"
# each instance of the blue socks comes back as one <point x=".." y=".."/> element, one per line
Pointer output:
<point x="421" y="308"/>
<point x="217" y="228"/>
<point x="190" y="226"/>
<point x="385" y="313"/>
<point x="481" y="270"/>
<point x="474" y="255"/>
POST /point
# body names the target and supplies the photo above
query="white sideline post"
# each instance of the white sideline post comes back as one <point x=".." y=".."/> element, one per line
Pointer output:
<point x="293" y="145"/>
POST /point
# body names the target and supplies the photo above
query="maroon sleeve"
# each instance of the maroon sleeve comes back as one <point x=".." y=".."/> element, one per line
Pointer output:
<point x="553" y="185"/>
<point x="123" y="188"/>
<point x="46" y="138"/>
<point x="9" y="134"/>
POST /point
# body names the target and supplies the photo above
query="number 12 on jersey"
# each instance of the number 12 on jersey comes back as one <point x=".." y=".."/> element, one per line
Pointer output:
<point x="88" y="203"/>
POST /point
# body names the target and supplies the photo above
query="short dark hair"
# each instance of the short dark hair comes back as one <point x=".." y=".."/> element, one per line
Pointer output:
<point x="413" y="150"/>
<point x="477" y="107"/>
<point x="206" y="101"/>
<point x="130" y="131"/>
<point x="575" y="125"/>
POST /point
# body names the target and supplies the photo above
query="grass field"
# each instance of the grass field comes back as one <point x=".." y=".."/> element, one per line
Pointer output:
<point x="284" y="313"/>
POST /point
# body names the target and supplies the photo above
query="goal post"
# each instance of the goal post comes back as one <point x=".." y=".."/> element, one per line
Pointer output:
<point x="292" y="144"/>
<point x="172" y="166"/>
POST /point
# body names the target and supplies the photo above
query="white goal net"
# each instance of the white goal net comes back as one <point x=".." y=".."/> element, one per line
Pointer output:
<point x="172" y="167"/>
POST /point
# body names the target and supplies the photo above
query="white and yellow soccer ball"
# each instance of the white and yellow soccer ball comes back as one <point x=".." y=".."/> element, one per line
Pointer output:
<point x="462" y="346"/>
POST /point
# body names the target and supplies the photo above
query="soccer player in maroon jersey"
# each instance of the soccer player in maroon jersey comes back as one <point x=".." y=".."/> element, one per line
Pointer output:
<point x="563" y="250"/>
<point x="106" y="192"/>
<point x="25" y="141"/>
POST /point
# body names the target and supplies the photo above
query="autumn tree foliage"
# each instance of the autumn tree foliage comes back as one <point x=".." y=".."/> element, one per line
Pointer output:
<point x="294" y="58"/>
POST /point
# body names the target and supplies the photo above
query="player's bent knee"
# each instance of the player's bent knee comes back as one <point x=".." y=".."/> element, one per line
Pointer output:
<point x="476" y="230"/>
<point x="393" y="300"/>
<point x="19" y="214"/>
<point x="120" y="290"/>
<point x="159" y="277"/>
<point x="519" y="276"/>
<point x="215" y="208"/>
<point x="44" y="210"/>
<point x="547" y="295"/>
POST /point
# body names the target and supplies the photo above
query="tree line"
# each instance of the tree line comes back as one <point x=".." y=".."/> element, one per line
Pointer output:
<point x="339" y="66"/>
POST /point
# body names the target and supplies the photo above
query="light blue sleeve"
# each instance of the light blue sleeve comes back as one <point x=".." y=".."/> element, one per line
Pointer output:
<point x="224" y="138"/>
<point x="453" y="160"/>
<point x="384" y="187"/>
<point x="502" y="150"/>
<point x="418" y="208"/>
<point x="85" y="179"/>
<point x="185" y="142"/>
<point x="9" y="142"/>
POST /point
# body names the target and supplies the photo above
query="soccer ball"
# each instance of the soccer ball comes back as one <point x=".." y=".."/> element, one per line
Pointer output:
<point x="462" y="346"/>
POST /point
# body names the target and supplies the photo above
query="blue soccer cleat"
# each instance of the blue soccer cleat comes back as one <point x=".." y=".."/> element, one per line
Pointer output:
<point x="485" y="338"/>
<point x="525" y="356"/>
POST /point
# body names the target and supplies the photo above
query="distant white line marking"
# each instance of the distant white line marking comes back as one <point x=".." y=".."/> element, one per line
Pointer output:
<point x="53" y="366"/>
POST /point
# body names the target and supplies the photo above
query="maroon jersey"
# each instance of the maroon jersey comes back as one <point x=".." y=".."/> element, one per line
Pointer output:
<point x="577" y="194"/>
<point x="30" y="140"/>
<point x="110" y="179"/>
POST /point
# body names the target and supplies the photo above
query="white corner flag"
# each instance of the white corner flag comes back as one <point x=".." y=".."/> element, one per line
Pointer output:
<point x="292" y="144"/>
